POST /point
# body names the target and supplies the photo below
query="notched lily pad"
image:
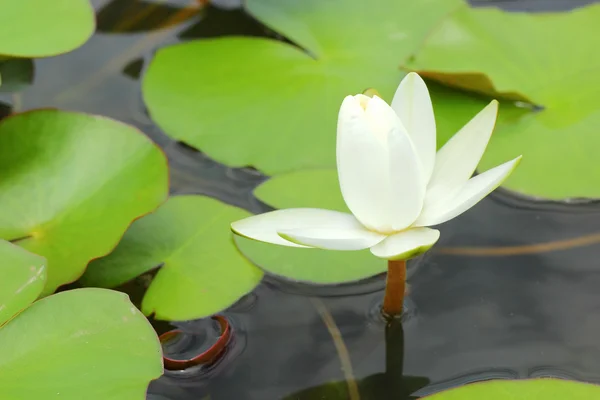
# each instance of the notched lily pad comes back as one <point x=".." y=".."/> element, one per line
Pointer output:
<point x="72" y="183"/>
<point x="527" y="389"/>
<point x="84" y="343"/>
<point x="22" y="278"/>
<point x="317" y="188"/>
<point x="274" y="104"/>
<point x="41" y="28"/>
<point x="550" y="60"/>
<point x="201" y="272"/>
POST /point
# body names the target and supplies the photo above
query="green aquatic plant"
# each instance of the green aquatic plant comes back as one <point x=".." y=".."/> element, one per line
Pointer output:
<point x="188" y="241"/>
<point x="85" y="342"/>
<point x="393" y="182"/>
<point x="554" y="73"/>
<point x="66" y="25"/>
<point x="525" y="389"/>
<point x="39" y="28"/>
<point x="265" y="97"/>
<point x="72" y="185"/>
<point x="246" y="91"/>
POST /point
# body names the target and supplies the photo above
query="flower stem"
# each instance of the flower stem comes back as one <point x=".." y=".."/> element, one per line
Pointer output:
<point x="393" y="300"/>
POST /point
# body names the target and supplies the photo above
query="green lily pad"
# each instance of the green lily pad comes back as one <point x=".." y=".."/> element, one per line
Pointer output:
<point x="201" y="272"/>
<point x="308" y="188"/>
<point x="547" y="59"/>
<point x="84" y="343"/>
<point x="311" y="188"/>
<point x="454" y="108"/>
<point x="40" y="28"/>
<point x="23" y="275"/>
<point x="275" y="105"/>
<point x="16" y="73"/>
<point x="71" y="185"/>
<point x="527" y="389"/>
<point x="313" y="266"/>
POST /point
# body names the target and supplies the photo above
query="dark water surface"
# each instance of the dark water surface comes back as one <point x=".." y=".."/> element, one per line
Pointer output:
<point x="511" y="290"/>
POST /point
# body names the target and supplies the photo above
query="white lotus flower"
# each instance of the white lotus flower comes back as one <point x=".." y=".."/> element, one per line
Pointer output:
<point x="392" y="179"/>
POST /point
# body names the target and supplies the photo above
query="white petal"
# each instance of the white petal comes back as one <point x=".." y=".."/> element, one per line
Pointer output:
<point x="264" y="227"/>
<point x="406" y="183"/>
<point x="472" y="192"/>
<point x="363" y="167"/>
<point x="382" y="119"/>
<point x="413" y="105"/>
<point x="407" y="244"/>
<point x="457" y="160"/>
<point x="349" y="238"/>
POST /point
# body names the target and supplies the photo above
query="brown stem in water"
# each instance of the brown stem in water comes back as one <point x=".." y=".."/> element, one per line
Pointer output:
<point x="394" y="288"/>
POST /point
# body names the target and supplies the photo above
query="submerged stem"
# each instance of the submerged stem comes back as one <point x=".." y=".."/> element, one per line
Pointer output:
<point x="393" y="301"/>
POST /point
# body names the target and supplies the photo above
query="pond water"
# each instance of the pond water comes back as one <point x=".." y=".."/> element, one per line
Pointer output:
<point x="510" y="291"/>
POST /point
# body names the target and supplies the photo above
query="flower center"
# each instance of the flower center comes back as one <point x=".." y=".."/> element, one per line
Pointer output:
<point x="363" y="100"/>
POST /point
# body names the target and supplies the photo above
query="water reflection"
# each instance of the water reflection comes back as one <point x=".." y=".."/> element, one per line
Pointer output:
<point x="510" y="316"/>
<point x="390" y="384"/>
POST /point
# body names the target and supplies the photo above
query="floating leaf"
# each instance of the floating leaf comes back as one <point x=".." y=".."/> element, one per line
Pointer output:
<point x="527" y="389"/>
<point x="22" y="278"/>
<point x="84" y="343"/>
<point x="548" y="59"/>
<point x="497" y="61"/>
<point x="311" y="265"/>
<point x="309" y="188"/>
<point x="72" y="183"/>
<point x="201" y="271"/>
<point x="454" y="108"/>
<point x="316" y="188"/>
<point x="274" y="104"/>
<point x="39" y="28"/>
